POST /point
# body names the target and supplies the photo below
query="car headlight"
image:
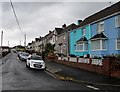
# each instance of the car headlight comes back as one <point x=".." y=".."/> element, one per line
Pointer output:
<point x="32" y="61"/>
<point x="42" y="62"/>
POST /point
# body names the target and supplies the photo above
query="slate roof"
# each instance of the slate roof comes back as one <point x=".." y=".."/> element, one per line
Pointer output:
<point x="59" y="30"/>
<point x="99" y="36"/>
<point x="49" y="35"/>
<point x="66" y="29"/>
<point x="29" y="43"/>
<point x="70" y="27"/>
<point x="37" y="39"/>
<point x="101" y="14"/>
<point x="82" y="39"/>
<point x="5" y="47"/>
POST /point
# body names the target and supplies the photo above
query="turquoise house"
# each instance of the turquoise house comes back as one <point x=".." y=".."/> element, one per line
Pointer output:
<point x="79" y="41"/>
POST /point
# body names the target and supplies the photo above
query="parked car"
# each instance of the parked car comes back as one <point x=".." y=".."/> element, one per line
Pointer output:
<point x="35" y="62"/>
<point x="18" y="54"/>
<point x="23" y="56"/>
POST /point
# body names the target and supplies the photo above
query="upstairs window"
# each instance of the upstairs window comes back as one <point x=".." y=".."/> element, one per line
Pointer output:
<point x="83" y="32"/>
<point x="118" y="44"/>
<point x="100" y="27"/>
<point x="117" y="21"/>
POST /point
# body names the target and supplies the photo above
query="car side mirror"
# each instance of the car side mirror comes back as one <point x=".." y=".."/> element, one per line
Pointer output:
<point x="28" y="58"/>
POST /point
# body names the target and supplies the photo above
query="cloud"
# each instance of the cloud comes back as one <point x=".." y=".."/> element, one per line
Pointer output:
<point x="37" y="18"/>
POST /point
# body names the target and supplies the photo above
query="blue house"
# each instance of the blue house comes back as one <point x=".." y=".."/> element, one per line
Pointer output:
<point x="98" y="34"/>
<point x="105" y="31"/>
<point x="79" y="40"/>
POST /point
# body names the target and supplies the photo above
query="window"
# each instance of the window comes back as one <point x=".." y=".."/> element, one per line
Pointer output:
<point x="104" y="44"/>
<point x="96" y="45"/>
<point x="82" y="46"/>
<point x="118" y="44"/>
<point x="100" y="27"/>
<point x="83" y="32"/>
<point x="64" y="45"/>
<point x="64" y="37"/>
<point x="117" y="21"/>
<point x="99" y="45"/>
<point x="75" y="47"/>
<point x="85" y="46"/>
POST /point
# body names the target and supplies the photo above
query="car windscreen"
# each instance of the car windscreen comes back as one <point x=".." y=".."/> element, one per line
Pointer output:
<point x="36" y="57"/>
<point x="25" y="54"/>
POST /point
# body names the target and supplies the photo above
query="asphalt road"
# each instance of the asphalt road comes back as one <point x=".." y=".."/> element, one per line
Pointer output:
<point x="15" y="76"/>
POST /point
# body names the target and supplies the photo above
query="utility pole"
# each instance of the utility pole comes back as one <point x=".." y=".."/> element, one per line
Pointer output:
<point x="25" y="41"/>
<point x="1" y="43"/>
<point x="1" y="38"/>
<point x="8" y="44"/>
<point x="20" y="42"/>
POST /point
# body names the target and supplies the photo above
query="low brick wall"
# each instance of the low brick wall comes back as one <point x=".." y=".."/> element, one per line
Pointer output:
<point x="85" y="66"/>
<point x="104" y="69"/>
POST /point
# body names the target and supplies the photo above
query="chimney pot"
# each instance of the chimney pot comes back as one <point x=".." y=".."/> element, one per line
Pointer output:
<point x="64" y="26"/>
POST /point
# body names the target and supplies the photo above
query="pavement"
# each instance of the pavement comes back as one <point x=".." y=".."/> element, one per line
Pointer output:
<point x="4" y="59"/>
<point x="67" y="73"/>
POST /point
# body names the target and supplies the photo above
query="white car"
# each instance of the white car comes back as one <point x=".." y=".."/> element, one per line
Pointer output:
<point x="23" y="56"/>
<point x="35" y="61"/>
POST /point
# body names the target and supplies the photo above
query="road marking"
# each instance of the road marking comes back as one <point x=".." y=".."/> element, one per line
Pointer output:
<point x="50" y="74"/>
<point x="92" y="87"/>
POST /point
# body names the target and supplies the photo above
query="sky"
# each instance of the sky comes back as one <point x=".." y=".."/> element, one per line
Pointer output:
<point x="37" y="18"/>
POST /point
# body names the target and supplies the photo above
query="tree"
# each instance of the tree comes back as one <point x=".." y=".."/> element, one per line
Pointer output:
<point x="49" y="48"/>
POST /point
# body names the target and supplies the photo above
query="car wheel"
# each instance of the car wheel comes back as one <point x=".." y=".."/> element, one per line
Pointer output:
<point x="29" y="66"/>
<point x="26" y="65"/>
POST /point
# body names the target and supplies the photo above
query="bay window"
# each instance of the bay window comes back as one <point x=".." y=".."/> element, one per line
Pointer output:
<point x="82" y="46"/>
<point x="99" y="44"/>
<point x="118" y="44"/>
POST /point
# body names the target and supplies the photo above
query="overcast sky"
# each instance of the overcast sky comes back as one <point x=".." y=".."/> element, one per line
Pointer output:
<point x="37" y="18"/>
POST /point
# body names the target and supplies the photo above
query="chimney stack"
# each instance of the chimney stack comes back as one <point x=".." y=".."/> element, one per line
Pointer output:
<point x="49" y="31"/>
<point x="64" y="26"/>
<point x="79" y="22"/>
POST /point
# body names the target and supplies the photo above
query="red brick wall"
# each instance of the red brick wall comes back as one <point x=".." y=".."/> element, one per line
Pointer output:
<point x="105" y="69"/>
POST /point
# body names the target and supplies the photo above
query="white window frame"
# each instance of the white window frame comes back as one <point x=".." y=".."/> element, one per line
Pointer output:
<point x="83" y="31"/>
<point x="116" y="21"/>
<point x="98" y="27"/>
<point x="83" y="47"/>
<point x="101" y="48"/>
<point x="116" y="44"/>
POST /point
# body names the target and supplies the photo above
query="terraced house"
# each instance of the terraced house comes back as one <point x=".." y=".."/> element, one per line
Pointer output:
<point x="62" y="42"/>
<point x="79" y="40"/>
<point x="105" y="28"/>
<point x="97" y="35"/>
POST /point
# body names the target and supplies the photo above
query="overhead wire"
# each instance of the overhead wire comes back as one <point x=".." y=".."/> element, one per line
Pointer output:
<point x="17" y="20"/>
<point x="15" y="16"/>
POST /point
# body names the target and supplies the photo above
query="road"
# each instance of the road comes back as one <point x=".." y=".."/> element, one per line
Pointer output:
<point x="15" y="76"/>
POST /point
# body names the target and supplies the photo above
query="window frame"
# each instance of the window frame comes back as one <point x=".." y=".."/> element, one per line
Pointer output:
<point x="116" y="21"/>
<point x="83" y="47"/>
<point x="99" y="26"/>
<point x="117" y="40"/>
<point x="101" y="45"/>
<point x="83" y="31"/>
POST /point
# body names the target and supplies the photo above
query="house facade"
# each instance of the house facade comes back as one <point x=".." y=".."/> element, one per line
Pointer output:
<point x="98" y="34"/>
<point x="106" y="32"/>
<point x="37" y="44"/>
<point x="79" y="41"/>
<point x="57" y="31"/>
<point x="62" y="42"/>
